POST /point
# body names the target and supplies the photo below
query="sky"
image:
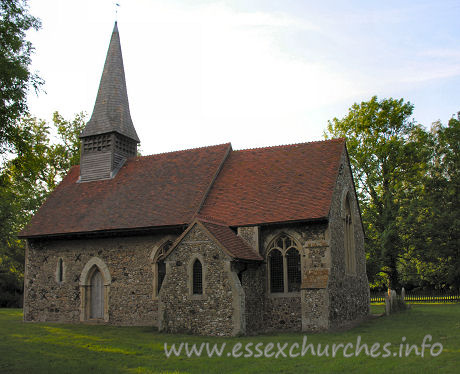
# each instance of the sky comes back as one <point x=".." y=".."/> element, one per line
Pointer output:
<point x="251" y="72"/>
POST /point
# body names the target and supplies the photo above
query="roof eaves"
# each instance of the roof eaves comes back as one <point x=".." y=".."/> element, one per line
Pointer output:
<point x="105" y="232"/>
<point x="306" y="220"/>
<point x="217" y="241"/>
<point x="225" y="248"/>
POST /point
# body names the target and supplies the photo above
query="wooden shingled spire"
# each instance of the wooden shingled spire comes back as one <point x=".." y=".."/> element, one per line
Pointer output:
<point x="109" y="137"/>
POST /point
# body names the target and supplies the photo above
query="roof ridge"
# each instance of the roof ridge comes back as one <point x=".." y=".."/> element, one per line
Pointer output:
<point x="209" y="219"/>
<point x="184" y="150"/>
<point x="335" y="140"/>
<point x="214" y="178"/>
<point x="171" y="152"/>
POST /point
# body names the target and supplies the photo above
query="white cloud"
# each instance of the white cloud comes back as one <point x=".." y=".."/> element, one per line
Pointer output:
<point x="202" y="73"/>
<point x="222" y="72"/>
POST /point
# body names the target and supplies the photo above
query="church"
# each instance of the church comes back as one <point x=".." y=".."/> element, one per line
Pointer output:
<point x="207" y="241"/>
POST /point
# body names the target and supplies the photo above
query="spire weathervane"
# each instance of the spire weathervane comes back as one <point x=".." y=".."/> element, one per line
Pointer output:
<point x="117" y="5"/>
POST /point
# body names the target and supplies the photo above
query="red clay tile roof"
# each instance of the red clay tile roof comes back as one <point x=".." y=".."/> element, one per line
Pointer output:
<point x="254" y="186"/>
<point x="275" y="184"/>
<point x="235" y="246"/>
<point x="158" y="190"/>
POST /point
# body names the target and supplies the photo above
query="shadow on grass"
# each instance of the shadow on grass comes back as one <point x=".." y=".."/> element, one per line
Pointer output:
<point x="64" y="348"/>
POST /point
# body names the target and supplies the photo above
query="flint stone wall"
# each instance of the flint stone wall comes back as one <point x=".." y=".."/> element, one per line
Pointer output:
<point x="251" y="235"/>
<point x="349" y="298"/>
<point x="218" y="311"/>
<point x="253" y="283"/>
<point x="127" y="259"/>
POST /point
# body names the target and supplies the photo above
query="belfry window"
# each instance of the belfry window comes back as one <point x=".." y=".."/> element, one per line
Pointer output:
<point x="97" y="143"/>
<point x="125" y="145"/>
<point x="284" y="265"/>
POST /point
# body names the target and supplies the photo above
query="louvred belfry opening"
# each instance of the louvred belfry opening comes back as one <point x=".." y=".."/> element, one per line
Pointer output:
<point x="109" y="137"/>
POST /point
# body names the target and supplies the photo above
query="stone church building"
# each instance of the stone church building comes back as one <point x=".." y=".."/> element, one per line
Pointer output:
<point x="208" y="241"/>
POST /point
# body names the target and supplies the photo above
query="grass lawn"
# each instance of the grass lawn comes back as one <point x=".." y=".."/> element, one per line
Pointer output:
<point x="57" y="348"/>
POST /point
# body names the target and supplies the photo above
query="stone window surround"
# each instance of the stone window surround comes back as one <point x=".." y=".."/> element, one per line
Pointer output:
<point x="199" y="257"/>
<point x="349" y="233"/>
<point x="85" y="289"/>
<point x="197" y="277"/>
<point x="154" y="255"/>
<point x="60" y="278"/>
<point x="285" y="276"/>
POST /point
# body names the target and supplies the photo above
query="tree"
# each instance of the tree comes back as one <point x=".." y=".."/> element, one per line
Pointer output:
<point x="25" y="182"/>
<point x="15" y="58"/>
<point x="444" y="192"/>
<point x="387" y="154"/>
<point x="433" y="218"/>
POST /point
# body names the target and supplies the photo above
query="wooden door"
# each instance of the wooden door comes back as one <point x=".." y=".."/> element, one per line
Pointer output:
<point x="97" y="295"/>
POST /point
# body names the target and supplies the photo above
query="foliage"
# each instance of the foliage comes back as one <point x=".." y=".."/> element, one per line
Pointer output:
<point x="443" y="191"/>
<point x="433" y="217"/>
<point x="386" y="154"/>
<point x="408" y="186"/>
<point x="63" y="348"/>
<point x="25" y="182"/>
<point x="15" y="59"/>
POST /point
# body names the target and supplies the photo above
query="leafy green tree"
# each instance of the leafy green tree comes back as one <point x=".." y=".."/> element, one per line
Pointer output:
<point x="387" y="155"/>
<point x="15" y="58"/>
<point x="444" y="191"/>
<point x="44" y="155"/>
<point x="433" y="217"/>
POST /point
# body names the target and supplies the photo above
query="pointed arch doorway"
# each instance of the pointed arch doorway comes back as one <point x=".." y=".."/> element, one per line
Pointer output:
<point x="95" y="283"/>
<point x="97" y="296"/>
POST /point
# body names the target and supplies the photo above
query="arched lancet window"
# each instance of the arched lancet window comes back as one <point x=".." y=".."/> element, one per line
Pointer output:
<point x="197" y="283"/>
<point x="284" y="265"/>
<point x="159" y="267"/>
<point x="349" y="241"/>
<point x="60" y="271"/>
<point x="161" y="274"/>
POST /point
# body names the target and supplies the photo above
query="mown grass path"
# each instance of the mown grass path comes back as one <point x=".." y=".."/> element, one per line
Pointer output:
<point x="58" y="348"/>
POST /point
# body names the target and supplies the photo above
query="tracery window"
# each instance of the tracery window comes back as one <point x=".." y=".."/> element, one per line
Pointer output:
<point x="276" y="271"/>
<point x="293" y="269"/>
<point x="284" y="265"/>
